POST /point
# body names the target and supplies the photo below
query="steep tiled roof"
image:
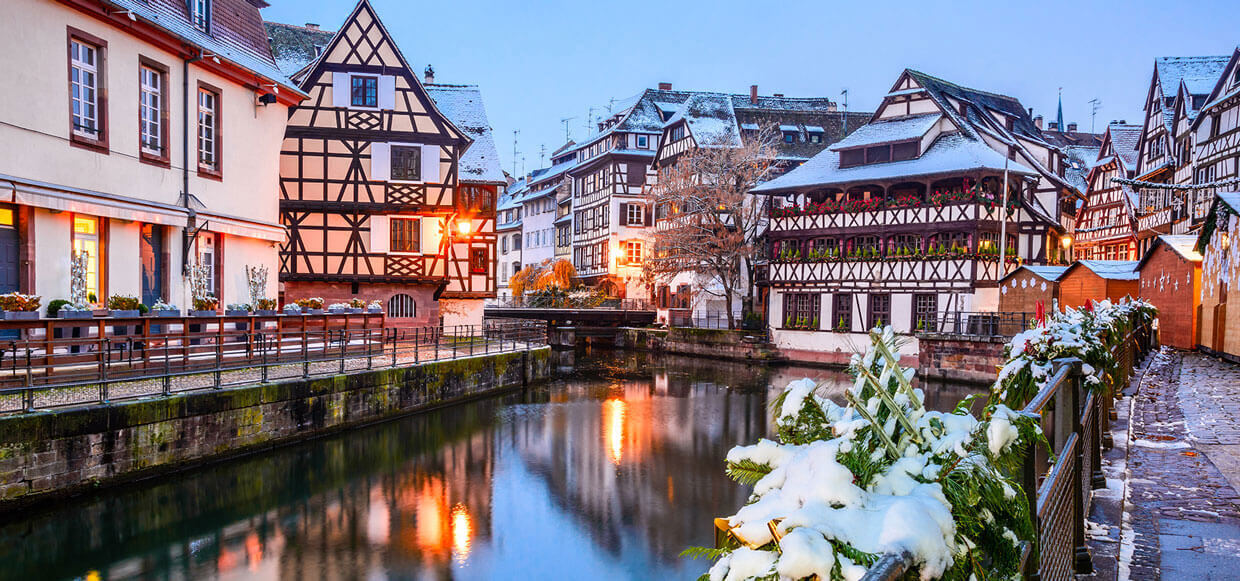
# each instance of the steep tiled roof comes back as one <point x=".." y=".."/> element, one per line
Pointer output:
<point x="236" y="33"/>
<point x="883" y="131"/>
<point x="1111" y="269"/>
<point x="1199" y="72"/>
<point x="1124" y="140"/>
<point x="462" y="104"/>
<point x="295" y="46"/>
<point x="982" y="104"/>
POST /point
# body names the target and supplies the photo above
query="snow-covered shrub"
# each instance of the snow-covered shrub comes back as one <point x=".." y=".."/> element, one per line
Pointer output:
<point x="881" y="474"/>
<point x="1089" y="333"/>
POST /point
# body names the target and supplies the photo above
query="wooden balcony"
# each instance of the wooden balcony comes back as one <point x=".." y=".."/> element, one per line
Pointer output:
<point x="888" y="273"/>
<point x="874" y="219"/>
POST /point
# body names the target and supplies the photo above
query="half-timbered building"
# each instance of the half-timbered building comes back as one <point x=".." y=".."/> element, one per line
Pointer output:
<point x="142" y="135"/>
<point x="1106" y="224"/>
<point x="1178" y="89"/>
<point x="378" y="190"/>
<point x="1215" y="138"/>
<point x="1218" y="321"/>
<point x="902" y="221"/>
<point x="794" y="128"/>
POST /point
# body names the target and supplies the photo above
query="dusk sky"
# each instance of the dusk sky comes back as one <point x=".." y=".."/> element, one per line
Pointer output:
<point x="538" y="62"/>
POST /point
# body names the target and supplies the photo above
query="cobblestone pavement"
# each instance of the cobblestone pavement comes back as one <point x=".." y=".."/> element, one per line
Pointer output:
<point x="1181" y="508"/>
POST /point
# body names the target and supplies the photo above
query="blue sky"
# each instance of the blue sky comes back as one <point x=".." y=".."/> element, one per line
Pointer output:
<point x="538" y="62"/>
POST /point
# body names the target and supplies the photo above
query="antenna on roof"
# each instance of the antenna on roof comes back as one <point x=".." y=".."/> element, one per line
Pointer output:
<point x="567" y="132"/>
<point x="845" y="94"/>
<point x="515" y="132"/>
<point x="589" y="120"/>
<point x="1094" y="106"/>
<point x="542" y="152"/>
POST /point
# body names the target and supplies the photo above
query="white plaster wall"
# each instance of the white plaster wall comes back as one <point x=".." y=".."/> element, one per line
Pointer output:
<point x="240" y="252"/>
<point x="828" y="342"/>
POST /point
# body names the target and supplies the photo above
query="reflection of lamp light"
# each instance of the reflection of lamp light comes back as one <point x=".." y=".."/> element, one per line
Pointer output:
<point x="462" y="532"/>
<point x="464" y="227"/>
<point x="613" y="428"/>
<point x="1226" y="241"/>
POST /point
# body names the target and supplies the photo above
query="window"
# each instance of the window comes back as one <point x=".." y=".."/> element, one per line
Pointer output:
<point x="152" y="112"/>
<point x="87" y="104"/>
<point x="516" y="242"/>
<point x="801" y="310"/>
<point x="925" y="312"/>
<point x="851" y="157"/>
<point x="364" y="91"/>
<point x="880" y="310"/>
<point x="86" y="240"/>
<point x="503" y="244"/>
<point x="790" y="138"/>
<point x="208" y="131"/>
<point x="478" y="261"/>
<point x="200" y="14"/>
<point x="633" y="253"/>
<point x="678" y="132"/>
<point x="406" y="162"/>
<point x="815" y="138"/>
<point x="208" y="256"/>
<point x="406" y="235"/>
<point x="643" y="141"/>
<point x="634" y="215"/>
<point x="841" y="313"/>
<point x="475" y="198"/>
<point x="151" y="257"/>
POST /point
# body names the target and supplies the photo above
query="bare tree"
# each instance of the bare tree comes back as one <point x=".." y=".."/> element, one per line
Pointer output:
<point x="709" y="223"/>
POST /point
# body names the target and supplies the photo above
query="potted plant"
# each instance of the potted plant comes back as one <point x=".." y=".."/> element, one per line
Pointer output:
<point x="357" y="306"/>
<point x="205" y="306"/>
<point x="162" y="309"/>
<point x="238" y="310"/>
<point x="72" y="311"/>
<point x="20" y="307"/>
<point x="265" y="307"/>
<point x="123" y="306"/>
<point x="311" y="305"/>
<point x="292" y="309"/>
<point x="374" y="307"/>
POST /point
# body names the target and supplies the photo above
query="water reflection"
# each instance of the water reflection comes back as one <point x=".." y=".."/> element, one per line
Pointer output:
<point x="608" y="472"/>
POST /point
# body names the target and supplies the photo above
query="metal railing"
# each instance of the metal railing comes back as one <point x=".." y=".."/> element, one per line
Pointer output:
<point x="569" y="302"/>
<point x="66" y="362"/>
<point x="979" y="324"/>
<point x="702" y="319"/>
<point x="1075" y="421"/>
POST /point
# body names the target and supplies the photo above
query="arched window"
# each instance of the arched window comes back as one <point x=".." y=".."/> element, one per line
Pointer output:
<point x="402" y="305"/>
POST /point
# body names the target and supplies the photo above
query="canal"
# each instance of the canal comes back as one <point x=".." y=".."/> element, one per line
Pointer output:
<point x="607" y="472"/>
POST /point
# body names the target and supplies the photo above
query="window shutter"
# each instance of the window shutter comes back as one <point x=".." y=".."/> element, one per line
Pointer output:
<point x="431" y="233"/>
<point x="648" y="214"/>
<point x="340" y="89"/>
<point x="430" y="164"/>
<point x="380" y="161"/>
<point x="380" y="234"/>
<point x="387" y="92"/>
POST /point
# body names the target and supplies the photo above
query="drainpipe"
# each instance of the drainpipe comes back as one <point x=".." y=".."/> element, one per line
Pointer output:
<point x="186" y="239"/>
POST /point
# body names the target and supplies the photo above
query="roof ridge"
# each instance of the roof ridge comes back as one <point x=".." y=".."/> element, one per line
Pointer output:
<point x="287" y="25"/>
<point x="959" y="86"/>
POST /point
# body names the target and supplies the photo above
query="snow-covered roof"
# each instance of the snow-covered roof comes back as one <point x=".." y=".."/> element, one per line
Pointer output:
<point x="1049" y="273"/>
<point x="1230" y="198"/>
<point x="1182" y="244"/>
<point x="889" y="131"/>
<point x="553" y="172"/>
<point x="1080" y="160"/>
<point x="1124" y="140"/>
<point x="462" y="104"/>
<point x="903" y="92"/>
<point x="711" y="119"/>
<point x="789" y="128"/>
<point x="948" y="154"/>
<point x="1111" y="269"/>
<point x="240" y="39"/>
<point x="1196" y="71"/>
<point x="814" y="129"/>
<point x="749" y="126"/>
<point x="294" y="46"/>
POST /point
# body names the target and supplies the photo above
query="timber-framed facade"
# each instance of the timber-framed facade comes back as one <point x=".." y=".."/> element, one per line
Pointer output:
<point x="371" y="189"/>
<point x="1106" y="226"/>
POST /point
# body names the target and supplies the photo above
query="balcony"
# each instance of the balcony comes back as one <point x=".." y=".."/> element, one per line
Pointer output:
<point x="881" y="217"/>
<point x="878" y="271"/>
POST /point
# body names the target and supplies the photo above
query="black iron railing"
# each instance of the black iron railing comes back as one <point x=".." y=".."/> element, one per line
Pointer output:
<point x="977" y="324"/>
<point x="570" y="302"/>
<point x="62" y="363"/>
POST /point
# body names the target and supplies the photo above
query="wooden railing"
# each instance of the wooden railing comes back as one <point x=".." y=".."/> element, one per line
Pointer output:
<point x="1075" y="420"/>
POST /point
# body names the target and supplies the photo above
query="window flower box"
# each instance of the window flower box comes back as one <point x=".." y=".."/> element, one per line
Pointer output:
<point x="21" y="315"/>
<point x="312" y="311"/>
<point x="266" y="312"/>
<point x="236" y="313"/>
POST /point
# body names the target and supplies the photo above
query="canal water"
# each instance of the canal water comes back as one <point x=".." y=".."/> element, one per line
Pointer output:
<point x="607" y="472"/>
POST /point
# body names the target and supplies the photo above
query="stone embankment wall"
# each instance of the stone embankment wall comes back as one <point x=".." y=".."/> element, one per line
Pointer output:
<point x="740" y="345"/>
<point x="46" y="455"/>
<point x="955" y="358"/>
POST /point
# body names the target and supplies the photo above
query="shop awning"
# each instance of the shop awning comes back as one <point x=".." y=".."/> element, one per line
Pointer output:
<point x="242" y="227"/>
<point x="64" y="199"/>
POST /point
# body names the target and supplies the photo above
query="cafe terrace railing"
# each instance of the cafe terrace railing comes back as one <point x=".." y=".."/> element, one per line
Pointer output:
<point x="50" y="363"/>
<point x="569" y="302"/>
<point x="1075" y="420"/>
<point x="979" y="324"/>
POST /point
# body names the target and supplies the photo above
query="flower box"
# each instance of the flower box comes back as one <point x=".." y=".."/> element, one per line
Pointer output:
<point x="266" y="312"/>
<point x="166" y="313"/>
<point x="354" y="311"/>
<point x="375" y="310"/>
<point x="312" y="311"/>
<point x="236" y="313"/>
<point x="21" y="315"/>
<point x="123" y="314"/>
<point x="211" y="313"/>
<point x="76" y="314"/>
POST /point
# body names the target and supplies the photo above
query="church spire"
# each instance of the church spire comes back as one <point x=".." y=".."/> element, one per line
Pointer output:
<point x="1059" y="116"/>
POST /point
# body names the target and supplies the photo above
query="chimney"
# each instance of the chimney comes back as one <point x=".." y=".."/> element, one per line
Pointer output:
<point x="312" y="26"/>
<point x="753" y="94"/>
<point x="1037" y="122"/>
<point x="1072" y="128"/>
<point x="429" y="73"/>
<point x="665" y="86"/>
<point x="778" y="95"/>
<point x="1054" y="126"/>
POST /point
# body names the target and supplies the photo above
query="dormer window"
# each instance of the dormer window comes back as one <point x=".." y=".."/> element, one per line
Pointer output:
<point x="1235" y="77"/>
<point x="901" y="151"/>
<point x="200" y="14"/>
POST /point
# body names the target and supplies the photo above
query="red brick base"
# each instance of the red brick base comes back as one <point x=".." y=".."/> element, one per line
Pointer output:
<point x="425" y="305"/>
<point x="958" y="359"/>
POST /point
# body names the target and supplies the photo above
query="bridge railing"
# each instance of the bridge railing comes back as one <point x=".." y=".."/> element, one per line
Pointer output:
<point x="185" y="354"/>
<point x="1075" y="421"/>
<point x="978" y="324"/>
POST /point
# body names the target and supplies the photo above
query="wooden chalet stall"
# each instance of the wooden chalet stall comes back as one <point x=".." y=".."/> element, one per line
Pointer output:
<point x="901" y="222"/>
<point x="1171" y="280"/>
<point x="1022" y="289"/>
<point x="372" y="187"/>
<point x="1095" y="280"/>
<point x="1219" y="322"/>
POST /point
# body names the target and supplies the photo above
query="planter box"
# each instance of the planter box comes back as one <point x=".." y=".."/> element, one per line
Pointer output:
<point x="375" y="311"/>
<point x="204" y="314"/>
<point x="167" y="313"/>
<point x="126" y="314"/>
<point x="266" y="313"/>
<point x="232" y="313"/>
<point x="338" y="311"/>
<point x="21" y="315"/>
<point x="355" y="311"/>
<point x="76" y="314"/>
<point x="312" y="311"/>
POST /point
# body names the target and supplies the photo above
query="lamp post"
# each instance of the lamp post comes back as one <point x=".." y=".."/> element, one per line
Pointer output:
<point x="1003" y="217"/>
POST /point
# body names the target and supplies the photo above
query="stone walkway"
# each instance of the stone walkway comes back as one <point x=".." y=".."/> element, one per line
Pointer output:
<point x="1171" y="508"/>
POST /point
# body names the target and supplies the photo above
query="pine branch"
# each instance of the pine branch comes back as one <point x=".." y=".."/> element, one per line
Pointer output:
<point x="747" y="472"/>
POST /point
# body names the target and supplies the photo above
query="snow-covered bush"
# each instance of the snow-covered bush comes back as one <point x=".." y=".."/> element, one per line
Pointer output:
<point x="881" y="474"/>
<point x="1089" y="333"/>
